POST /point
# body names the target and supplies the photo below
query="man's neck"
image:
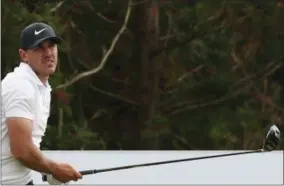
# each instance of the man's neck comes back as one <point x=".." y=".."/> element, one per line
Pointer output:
<point x="43" y="79"/>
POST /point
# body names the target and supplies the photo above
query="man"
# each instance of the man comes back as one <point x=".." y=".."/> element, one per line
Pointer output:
<point x="25" y="110"/>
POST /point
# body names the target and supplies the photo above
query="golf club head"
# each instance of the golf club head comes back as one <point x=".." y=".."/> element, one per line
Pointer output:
<point x="272" y="139"/>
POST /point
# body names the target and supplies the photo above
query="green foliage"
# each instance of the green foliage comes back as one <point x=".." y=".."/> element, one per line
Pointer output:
<point x="74" y="137"/>
<point x="199" y="76"/>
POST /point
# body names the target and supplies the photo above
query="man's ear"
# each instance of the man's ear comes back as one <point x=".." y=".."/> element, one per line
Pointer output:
<point x="23" y="55"/>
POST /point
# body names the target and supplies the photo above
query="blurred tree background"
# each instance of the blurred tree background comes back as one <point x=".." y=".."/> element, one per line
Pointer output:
<point x="183" y="74"/>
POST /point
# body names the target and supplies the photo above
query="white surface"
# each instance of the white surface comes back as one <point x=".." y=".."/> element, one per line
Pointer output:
<point x="264" y="168"/>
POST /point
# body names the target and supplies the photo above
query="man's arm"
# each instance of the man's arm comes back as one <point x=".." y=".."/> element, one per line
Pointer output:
<point x="22" y="147"/>
<point x="19" y="104"/>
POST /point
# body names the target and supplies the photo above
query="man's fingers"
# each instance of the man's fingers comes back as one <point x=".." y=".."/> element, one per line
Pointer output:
<point x="79" y="175"/>
<point x="75" y="177"/>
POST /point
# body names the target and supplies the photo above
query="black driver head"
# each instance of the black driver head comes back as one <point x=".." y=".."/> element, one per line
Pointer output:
<point x="272" y="139"/>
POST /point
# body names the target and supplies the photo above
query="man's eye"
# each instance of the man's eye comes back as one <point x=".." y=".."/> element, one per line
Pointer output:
<point x="39" y="46"/>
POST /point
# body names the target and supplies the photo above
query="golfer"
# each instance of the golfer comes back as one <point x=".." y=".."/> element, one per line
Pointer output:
<point x="25" y="110"/>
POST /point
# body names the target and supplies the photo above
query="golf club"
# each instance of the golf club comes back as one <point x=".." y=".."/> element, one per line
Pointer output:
<point x="270" y="143"/>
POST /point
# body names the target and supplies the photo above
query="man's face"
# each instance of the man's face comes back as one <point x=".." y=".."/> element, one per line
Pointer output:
<point x="42" y="59"/>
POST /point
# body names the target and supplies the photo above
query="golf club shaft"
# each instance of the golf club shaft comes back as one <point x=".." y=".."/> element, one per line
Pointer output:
<point x="95" y="171"/>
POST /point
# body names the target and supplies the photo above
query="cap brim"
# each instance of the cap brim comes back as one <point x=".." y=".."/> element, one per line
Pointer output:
<point x="54" y="39"/>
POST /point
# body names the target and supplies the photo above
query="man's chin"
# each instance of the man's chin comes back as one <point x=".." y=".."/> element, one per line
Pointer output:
<point x="50" y="72"/>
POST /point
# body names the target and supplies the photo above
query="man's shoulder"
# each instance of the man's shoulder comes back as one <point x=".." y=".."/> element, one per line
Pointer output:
<point x="15" y="83"/>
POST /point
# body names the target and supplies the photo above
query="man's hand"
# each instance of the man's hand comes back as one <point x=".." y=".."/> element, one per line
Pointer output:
<point x="64" y="173"/>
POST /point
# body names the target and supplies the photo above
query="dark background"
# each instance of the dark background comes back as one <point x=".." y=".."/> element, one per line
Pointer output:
<point x="183" y="75"/>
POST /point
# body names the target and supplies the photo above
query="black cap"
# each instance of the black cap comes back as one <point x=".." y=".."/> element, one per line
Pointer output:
<point x="36" y="33"/>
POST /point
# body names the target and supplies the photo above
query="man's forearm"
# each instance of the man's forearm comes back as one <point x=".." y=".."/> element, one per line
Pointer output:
<point x="34" y="159"/>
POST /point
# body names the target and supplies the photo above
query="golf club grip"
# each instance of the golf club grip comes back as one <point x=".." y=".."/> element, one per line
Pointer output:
<point x="85" y="172"/>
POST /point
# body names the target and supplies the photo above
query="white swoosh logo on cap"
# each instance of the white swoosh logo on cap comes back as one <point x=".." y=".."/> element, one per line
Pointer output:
<point x="38" y="32"/>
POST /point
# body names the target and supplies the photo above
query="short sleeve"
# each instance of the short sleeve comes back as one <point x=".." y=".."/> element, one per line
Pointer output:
<point x="18" y="101"/>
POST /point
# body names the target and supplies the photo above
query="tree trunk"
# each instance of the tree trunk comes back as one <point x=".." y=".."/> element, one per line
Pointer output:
<point x="146" y="81"/>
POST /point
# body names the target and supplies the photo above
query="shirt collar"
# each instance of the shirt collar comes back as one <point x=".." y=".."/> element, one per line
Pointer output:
<point x="26" y="68"/>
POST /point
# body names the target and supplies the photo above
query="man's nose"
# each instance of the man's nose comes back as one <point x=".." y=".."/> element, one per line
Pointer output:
<point x="47" y="51"/>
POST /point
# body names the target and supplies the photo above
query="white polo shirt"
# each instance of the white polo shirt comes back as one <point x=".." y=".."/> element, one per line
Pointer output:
<point x="23" y="95"/>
